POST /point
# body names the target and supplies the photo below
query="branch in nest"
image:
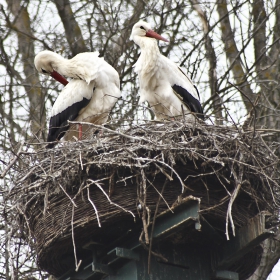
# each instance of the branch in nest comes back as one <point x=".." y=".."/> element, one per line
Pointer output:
<point x="110" y="201"/>
<point x="94" y="207"/>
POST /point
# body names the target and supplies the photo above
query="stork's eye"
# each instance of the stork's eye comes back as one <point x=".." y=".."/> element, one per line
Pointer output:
<point x="44" y="71"/>
<point x="142" y="27"/>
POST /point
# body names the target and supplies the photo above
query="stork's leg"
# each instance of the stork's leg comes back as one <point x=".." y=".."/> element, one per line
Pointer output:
<point x="80" y="131"/>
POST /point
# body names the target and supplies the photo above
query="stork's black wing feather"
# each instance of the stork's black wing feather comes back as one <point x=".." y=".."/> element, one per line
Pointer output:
<point x="59" y="123"/>
<point x="191" y="102"/>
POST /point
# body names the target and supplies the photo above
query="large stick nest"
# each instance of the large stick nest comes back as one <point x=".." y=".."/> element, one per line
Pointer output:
<point x="115" y="181"/>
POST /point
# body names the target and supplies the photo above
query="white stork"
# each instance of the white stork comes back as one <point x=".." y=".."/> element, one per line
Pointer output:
<point x="168" y="90"/>
<point x="88" y="97"/>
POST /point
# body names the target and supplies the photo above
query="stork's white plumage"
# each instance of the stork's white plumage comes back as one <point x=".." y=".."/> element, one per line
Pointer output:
<point x="163" y="84"/>
<point x="88" y="97"/>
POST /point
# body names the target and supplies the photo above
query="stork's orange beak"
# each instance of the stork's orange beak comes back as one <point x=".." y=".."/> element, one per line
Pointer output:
<point x="59" y="78"/>
<point x="152" y="34"/>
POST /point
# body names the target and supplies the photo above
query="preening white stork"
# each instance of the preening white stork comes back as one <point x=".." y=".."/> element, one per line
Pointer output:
<point x="168" y="90"/>
<point x="88" y="97"/>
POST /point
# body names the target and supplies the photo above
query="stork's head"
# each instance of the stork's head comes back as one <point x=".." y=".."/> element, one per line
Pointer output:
<point x="45" y="62"/>
<point x="143" y="29"/>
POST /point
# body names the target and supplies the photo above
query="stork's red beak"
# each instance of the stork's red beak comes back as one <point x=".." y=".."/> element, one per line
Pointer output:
<point x="59" y="78"/>
<point x="151" y="33"/>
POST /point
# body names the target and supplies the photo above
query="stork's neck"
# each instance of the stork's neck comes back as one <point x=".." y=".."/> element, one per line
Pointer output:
<point x="62" y="66"/>
<point x="149" y="54"/>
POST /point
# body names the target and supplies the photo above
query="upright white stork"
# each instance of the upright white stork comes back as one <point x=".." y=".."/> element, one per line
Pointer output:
<point x="168" y="90"/>
<point x="88" y="97"/>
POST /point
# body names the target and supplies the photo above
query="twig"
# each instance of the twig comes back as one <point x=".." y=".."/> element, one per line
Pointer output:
<point x="13" y="161"/>
<point x="160" y="256"/>
<point x="67" y="195"/>
<point x="160" y="194"/>
<point x="225" y="199"/>
<point x="162" y="171"/>
<point x="46" y="201"/>
<point x="110" y="201"/>
<point x="145" y="213"/>
<point x="94" y="207"/>
<point x="153" y="225"/>
<point x="81" y="161"/>
<point x="229" y="214"/>
<point x="73" y="240"/>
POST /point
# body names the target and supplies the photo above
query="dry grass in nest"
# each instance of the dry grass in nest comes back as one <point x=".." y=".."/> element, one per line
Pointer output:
<point x="95" y="190"/>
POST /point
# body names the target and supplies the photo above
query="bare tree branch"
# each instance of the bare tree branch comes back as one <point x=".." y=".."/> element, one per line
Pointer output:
<point x="26" y="49"/>
<point x="211" y="56"/>
<point x="232" y="52"/>
<point x="72" y="30"/>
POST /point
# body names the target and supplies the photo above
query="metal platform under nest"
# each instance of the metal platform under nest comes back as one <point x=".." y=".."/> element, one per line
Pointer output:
<point x="184" y="247"/>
